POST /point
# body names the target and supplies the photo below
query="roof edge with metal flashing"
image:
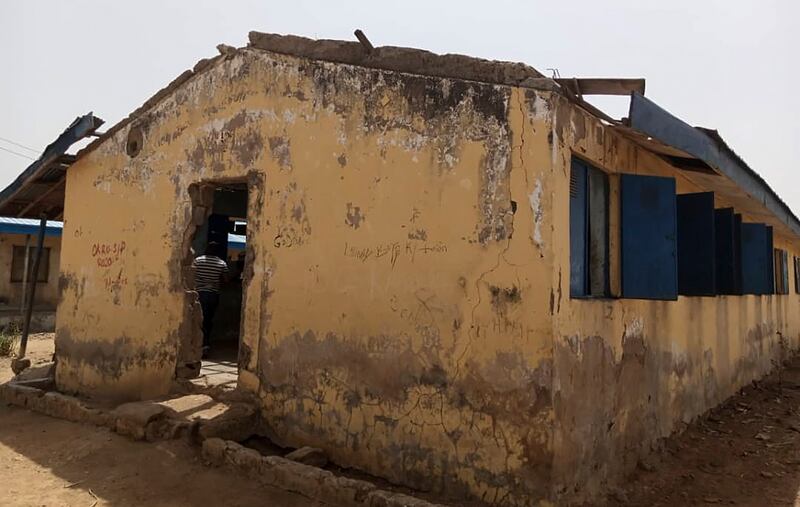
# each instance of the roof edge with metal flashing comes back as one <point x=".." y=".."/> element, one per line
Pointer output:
<point x="14" y="199"/>
<point x="10" y="225"/>
<point x="650" y="119"/>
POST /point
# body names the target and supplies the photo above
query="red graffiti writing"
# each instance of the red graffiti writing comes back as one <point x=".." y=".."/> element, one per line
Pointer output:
<point x="117" y="282"/>
<point x="107" y="254"/>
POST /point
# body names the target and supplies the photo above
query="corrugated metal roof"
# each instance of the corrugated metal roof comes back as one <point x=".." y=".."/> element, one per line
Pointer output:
<point x="39" y="189"/>
<point x="236" y="242"/>
<point x="9" y="225"/>
<point x="706" y="145"/>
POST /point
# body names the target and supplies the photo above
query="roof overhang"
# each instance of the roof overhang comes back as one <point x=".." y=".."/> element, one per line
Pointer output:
<point x="703" y="151"/>
<point x="39" y="190"/>
<point x="10" y="225"/>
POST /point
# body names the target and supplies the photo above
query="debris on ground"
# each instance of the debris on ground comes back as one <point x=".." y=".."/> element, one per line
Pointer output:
<point x="744" y="452"/>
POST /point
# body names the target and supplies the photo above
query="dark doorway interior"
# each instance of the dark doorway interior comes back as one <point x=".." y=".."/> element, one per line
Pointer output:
<point x="226" y="226"/>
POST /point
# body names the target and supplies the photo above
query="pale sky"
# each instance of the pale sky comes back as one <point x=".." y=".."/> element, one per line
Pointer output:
<point x="725" y="64"/>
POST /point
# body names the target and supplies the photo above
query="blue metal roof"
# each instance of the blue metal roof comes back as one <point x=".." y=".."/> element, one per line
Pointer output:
<point x="236" y="242"/>
<point x="10" y="225"/>
<point x="707" y="145"/>
<point x="40" y="187"/>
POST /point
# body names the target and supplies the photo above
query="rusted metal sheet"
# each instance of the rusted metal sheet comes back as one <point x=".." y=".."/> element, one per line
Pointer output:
<point x="603" y="86"/>
<point x="39" y="189"/>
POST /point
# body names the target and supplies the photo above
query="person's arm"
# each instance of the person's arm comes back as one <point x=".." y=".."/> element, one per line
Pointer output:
<point x="226" y="273"/>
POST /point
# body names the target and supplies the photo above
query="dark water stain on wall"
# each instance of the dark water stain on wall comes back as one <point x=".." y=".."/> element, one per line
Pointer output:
<point x="384" y="371"/>
<point x="443" y="112"/>
<point x="113" y="358"/>
<point x="279" y="148"/>
<point x="353" y="217"/>
<point x="625" y="406"/>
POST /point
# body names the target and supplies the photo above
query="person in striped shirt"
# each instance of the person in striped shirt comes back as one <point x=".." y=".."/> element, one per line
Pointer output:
<point x="209" y="272"/>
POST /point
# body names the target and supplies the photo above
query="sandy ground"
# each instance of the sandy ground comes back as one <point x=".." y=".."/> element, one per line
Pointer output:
<point x="50" y="462"/>
<point x="40" y="350"/>
<point x="746" y="452"/>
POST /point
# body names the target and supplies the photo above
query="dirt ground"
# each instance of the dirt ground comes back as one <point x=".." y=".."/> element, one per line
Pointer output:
<point x="40" y="350"/>
<point x="746" y="452"/>
<point x="50" y="462"/>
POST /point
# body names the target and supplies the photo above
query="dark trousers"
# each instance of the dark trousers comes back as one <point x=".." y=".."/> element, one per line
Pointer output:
<point x="208" y="302"/>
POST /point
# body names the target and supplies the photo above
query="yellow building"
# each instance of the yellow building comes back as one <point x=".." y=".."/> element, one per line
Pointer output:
<point x="18" y="238"/>
<point x="459" y="275"/>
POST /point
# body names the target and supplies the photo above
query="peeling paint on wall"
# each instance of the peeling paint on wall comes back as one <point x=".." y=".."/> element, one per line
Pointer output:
<point x="535" y="200"/>
<point x="390" y="316"/>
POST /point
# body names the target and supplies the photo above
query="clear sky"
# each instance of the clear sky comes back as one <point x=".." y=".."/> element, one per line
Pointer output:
<point x="725" y="64"/>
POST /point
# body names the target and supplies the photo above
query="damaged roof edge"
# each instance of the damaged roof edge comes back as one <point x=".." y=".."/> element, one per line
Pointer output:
<point x="390" y="58"/>
<point x="707" y="145"/>
<point x="82" y="126"/>
<point x="399" y="59"/>
<point x="149" y="103"/>
<point x="645" y="116"/>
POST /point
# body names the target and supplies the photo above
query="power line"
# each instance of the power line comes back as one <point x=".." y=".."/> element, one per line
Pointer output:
<point x="20" y="145"/>
<point x="17" y="153"/>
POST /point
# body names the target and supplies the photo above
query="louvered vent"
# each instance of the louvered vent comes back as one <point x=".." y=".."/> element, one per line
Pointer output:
<point x="573" y="184"/>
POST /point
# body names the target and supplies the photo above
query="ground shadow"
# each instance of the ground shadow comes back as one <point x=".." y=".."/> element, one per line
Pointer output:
<point x="49" y="461"/>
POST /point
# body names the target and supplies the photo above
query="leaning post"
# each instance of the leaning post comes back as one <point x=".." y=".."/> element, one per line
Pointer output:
<point x="25" y="275"/>
<point x="26" y="323"/>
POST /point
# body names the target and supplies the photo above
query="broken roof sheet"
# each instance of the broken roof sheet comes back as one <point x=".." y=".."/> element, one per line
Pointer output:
<point x="707" y="146"/>
<point x="39" y="189"/>
<point x="644" y="126"/>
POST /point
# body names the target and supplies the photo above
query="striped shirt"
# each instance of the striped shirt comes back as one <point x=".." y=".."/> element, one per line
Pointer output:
<point x="208" y="271"/>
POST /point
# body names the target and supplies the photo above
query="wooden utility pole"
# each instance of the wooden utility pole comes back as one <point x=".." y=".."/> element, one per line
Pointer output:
<point x="20" y="363"/>
<point x="26" y="266"/>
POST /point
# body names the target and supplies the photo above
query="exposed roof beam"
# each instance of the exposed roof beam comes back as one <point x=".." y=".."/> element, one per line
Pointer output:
<point x="602" y="86"/>
<point x="43" y="196"/>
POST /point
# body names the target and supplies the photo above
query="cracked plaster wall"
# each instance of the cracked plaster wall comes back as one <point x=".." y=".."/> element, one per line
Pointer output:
<point x="407" y="308"/>
<point x="397" y="309"/>
<point x="629" y="372"/>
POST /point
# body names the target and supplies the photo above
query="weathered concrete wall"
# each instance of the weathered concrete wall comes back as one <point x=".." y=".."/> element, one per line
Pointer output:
<point x="11" y="292"/>
<point x="406" y="303"/>
<point x="397" y="313"/>
<point x="628" y="372"/>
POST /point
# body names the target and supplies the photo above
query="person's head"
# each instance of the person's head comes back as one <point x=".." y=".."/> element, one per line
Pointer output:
<point x="213" y="248"/>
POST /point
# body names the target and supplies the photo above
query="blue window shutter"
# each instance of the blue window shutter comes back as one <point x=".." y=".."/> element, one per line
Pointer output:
<point x="785" y="271"/>
<point x="724" y="238"/>
<point x="770" y="273"/>
<point x="797" y="275"/>
<point x="728" y="237"/>
<point x="578" y="230"/>
<point x="648" y="230"/>
<point x="696" y="244"/>
<point x="737" y="253"/>
<point x="756" y="260"/>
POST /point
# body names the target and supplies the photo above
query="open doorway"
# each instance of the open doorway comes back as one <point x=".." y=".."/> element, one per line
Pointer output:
<point x="218" y="251"/>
